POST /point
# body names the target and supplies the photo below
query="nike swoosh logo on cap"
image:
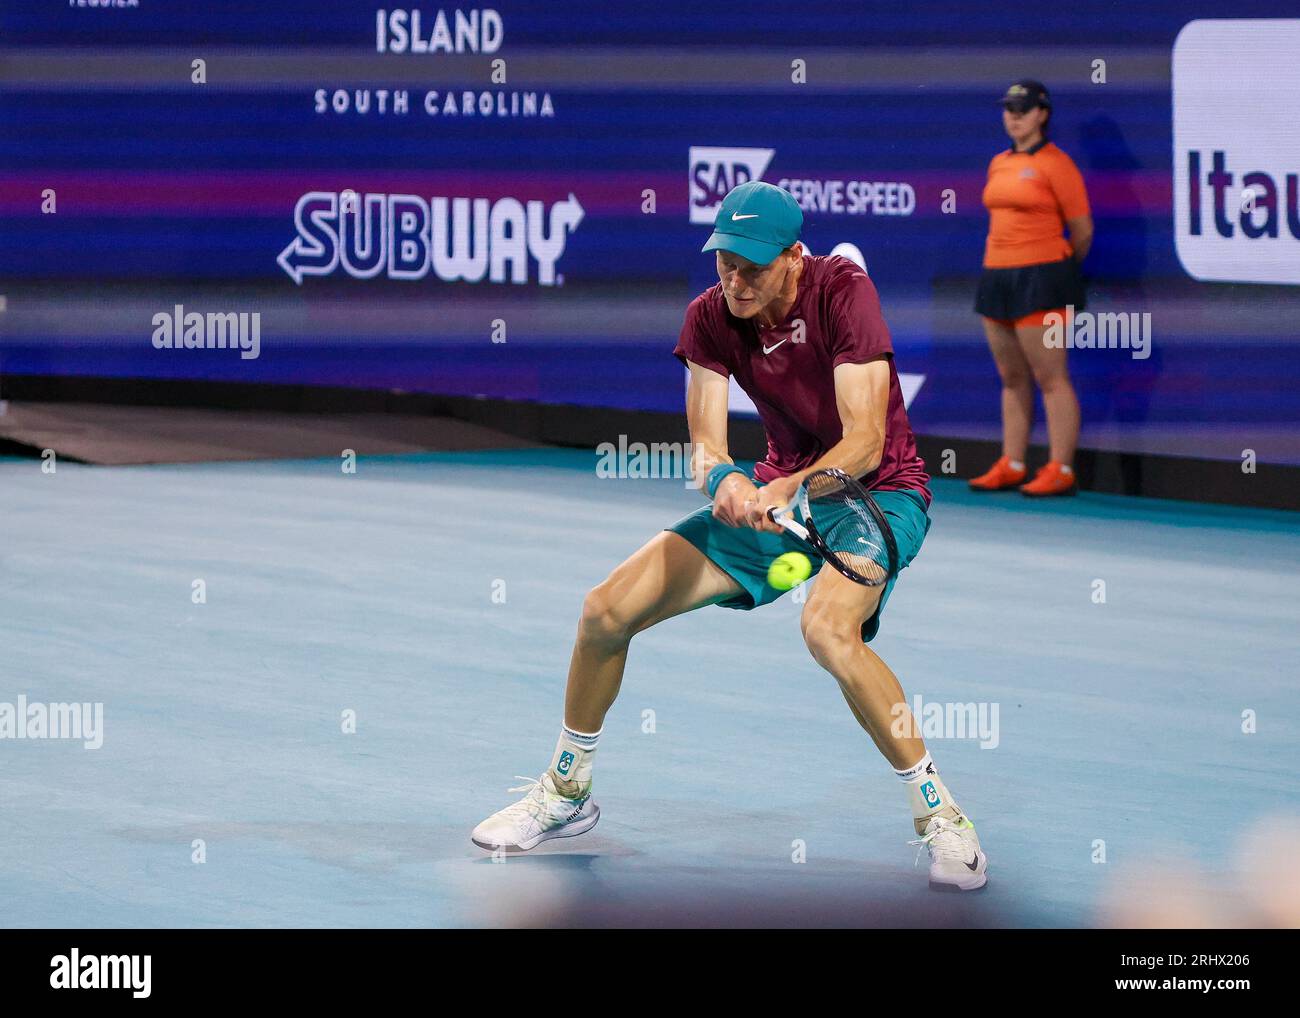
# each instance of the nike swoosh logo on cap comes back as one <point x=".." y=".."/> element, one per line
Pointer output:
<point x="735" y="216"/>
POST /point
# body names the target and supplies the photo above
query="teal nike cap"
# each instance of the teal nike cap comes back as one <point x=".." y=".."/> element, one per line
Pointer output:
<point x="756" y="220"/>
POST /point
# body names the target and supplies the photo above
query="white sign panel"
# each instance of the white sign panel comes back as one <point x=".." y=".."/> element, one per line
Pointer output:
<point x="1236" y="96"/>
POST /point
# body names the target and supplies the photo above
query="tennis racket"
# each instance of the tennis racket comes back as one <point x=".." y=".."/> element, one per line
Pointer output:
<point x="859" y="544"/>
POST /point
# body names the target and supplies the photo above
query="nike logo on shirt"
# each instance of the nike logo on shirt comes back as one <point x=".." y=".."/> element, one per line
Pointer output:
<point x="769" y="349"/>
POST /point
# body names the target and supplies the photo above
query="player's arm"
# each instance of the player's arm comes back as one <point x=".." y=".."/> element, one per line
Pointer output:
<point x="706" y="417"/>
<point x="862" y="398"/>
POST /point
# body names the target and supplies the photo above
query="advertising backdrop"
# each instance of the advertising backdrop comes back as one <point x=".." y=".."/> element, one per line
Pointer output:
<point x="510" y="201"/>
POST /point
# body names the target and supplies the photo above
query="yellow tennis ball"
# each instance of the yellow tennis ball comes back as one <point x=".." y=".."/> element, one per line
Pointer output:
<point x="789" y="570"/>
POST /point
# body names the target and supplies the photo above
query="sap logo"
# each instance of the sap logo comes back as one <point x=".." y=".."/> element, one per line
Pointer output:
<point x="404" y="236"/>
<point x="715" y="171"/>
<point x="1236" y="159"/>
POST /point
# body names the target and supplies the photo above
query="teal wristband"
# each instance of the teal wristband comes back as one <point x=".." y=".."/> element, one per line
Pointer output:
<point x="717" y="474"/>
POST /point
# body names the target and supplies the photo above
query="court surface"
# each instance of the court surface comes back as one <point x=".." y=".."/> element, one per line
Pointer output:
<point x="436" y="595"/>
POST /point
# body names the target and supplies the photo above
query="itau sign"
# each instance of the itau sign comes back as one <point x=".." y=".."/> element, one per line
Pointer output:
<point x="1236" y="94"/>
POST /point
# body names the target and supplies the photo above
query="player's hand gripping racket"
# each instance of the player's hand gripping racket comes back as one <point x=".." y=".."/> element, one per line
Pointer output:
<point x="858" y="543"/>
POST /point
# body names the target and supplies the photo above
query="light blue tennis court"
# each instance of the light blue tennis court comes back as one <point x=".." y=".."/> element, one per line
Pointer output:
<point x="436" y="596"/>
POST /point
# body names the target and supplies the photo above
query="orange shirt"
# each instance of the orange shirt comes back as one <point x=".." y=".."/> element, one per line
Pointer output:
<point x="1029" y="196"/>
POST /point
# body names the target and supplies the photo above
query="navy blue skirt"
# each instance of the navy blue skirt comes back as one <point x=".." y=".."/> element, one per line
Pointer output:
<point x="1012" y="293"/>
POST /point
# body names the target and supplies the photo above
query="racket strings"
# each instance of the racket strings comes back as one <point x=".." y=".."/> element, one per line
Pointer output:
<point x="853" y="536"/>
<point x="823" y="485"/>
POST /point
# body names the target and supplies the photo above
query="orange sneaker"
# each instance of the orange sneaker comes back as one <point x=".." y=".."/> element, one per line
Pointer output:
<point x="998" y="477"/>
<point x="1053" y="479"/>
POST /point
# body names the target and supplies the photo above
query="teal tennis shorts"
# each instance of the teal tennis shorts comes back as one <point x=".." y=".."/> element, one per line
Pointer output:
<point x="745" y="554"/>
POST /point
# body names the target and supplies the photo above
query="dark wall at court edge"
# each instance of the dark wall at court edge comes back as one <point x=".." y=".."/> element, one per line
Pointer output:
<point x="501" y="243"/>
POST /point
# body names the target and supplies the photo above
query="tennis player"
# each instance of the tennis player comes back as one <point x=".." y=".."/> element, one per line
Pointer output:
<point x="805" y="338"/>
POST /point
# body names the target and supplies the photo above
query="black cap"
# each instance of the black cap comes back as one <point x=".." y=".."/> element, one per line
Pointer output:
<point x="1025" y="94"/>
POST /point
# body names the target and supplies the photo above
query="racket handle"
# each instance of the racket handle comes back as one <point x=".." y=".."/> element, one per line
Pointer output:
<point x="787" y="524"/>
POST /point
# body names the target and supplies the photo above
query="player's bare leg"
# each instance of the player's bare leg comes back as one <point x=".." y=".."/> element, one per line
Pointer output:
<point x="667" y="576"/>
<point x="832" y="623"/>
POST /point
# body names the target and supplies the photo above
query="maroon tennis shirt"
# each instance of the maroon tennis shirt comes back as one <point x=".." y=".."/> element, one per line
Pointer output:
<point x="791" y="378"/>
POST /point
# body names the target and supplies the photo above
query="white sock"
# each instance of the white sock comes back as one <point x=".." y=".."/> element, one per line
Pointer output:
<point x="927" y="793"/>
<point x="914" y="773"/>
<point x="1016" y="465"/>
<point x="571" y="761"/>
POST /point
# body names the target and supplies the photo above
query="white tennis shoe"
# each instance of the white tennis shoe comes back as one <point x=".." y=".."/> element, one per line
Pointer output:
<point x="540" y="815"/>
<point x="956" y="862"/>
